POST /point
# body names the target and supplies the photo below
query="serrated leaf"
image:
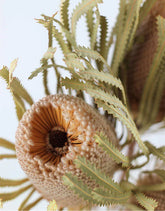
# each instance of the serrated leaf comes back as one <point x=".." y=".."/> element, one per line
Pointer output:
<point x="130" y="15"/>
<point x="49" y="53"/>
<point x="148" y="203"/>
<point x="14" y="194"/>
<point x="155" y="151"/>
<point x="95" y="30"/>
<point x="8" y="182"/>
<point x="15" y="86"/>
<point x="91" y="54"/>
<point x="7" y="156"/>
<point x="103" y="37"/>
<point x="80" y="188"/>
<point x="19" y="106"/>
<point x="107" y="198"/>
<point x="155" y="187"/>
<point x="22" y="205"/>
<point x="7" y="144"/>
<point x="11" y="69"/>
<point x="80" y="9"/>
<point x="94" y="173"/>
<point x="64" y="13"/>
<point x="111" y="150"/>
<point x="119" y="115"/>
<point x="73" y="61"/>
<point x="104" y="77"/>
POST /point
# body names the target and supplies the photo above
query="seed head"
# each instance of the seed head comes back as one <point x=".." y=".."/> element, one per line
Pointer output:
<point x="140" y="58"/>
<point x="51" y="135"/>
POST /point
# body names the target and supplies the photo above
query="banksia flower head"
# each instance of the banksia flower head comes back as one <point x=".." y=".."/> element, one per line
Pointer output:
<point x="141" y="56"/>
<point x="51" y="135"/>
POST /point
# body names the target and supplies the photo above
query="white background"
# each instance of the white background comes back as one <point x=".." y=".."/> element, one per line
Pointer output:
<point x="21" y="37"/>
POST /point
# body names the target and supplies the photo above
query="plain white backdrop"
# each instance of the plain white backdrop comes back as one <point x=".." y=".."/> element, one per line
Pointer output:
<point x="21" y="37"/>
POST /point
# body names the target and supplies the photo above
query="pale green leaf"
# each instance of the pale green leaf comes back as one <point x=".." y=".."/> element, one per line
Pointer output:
<point x="93" y="39"/>
<point x="80" y="188"/>
<point x="19" y="106"/>
<point x="22" y="205"/>
<point x="107" y="197"/>
<point x="7" y="144"/>
<point x="150" y="187"/>
<point x="81" y="9"/>
<point x="7" y="156"/>
<point x="49" y="53"/>
<point x="31" y="205"/>
<point x="126" y="33"/>
<point x="148" y="203"/>
<point x="45" y="82"/>
<point x="91" y="54"/>
<point x="103" y="77"/>
<point x="14" y="194"/>
<point x="95" y="174"/>
<point x="11" y="69"/>
<point x="8" y="182"/>
<point x="156" y="151"/>
<point x="112" y="150"/>
<point x="64" y="15"/>
<point x="119" y="115"/>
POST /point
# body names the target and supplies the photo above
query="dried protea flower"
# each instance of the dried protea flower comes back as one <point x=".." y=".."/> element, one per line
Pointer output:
<point x="51" y="135"/>
<point x="140" y="58"/>
<point x="159" y="196"/>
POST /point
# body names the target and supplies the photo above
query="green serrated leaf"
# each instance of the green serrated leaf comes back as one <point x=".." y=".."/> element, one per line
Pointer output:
<point x="80" y="9"/>
<point x="155" y="151"/>
<point x="49" y="53"/>
<point x="119" y="115"/>
<point x="94" y="173"/>
<point x="19" y="106"/>
<point x="95" y="30"/>
<point x="103" y="37"/>
<point x="78" y="187"/>
<point x="7" y="144"/>
<point x="130" y="14"/>
<point x="64" y="13"/>
<point x="111" y="149"/>
<point x="22" y="205"/>
<point x="104" y="77"/>
<point x="107" y="198"/>
<point x="14" y="194"/>
<point x="8" y="182"/>
<point x="31" y="205"/>
<point x="148" y="203"/>
<point x="91" y="54"/>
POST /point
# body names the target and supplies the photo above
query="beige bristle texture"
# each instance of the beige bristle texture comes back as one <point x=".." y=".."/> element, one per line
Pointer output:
<point x="140" y="58"/>
<point x="45" y="167"/>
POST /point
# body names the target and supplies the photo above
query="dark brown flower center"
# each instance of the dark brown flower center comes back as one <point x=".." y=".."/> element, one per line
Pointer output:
<point x="58" y="138"/>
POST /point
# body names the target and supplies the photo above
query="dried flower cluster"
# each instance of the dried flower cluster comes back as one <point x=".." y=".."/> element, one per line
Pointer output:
<point x="51" y="135"/>
<point x="141" y="56"/>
